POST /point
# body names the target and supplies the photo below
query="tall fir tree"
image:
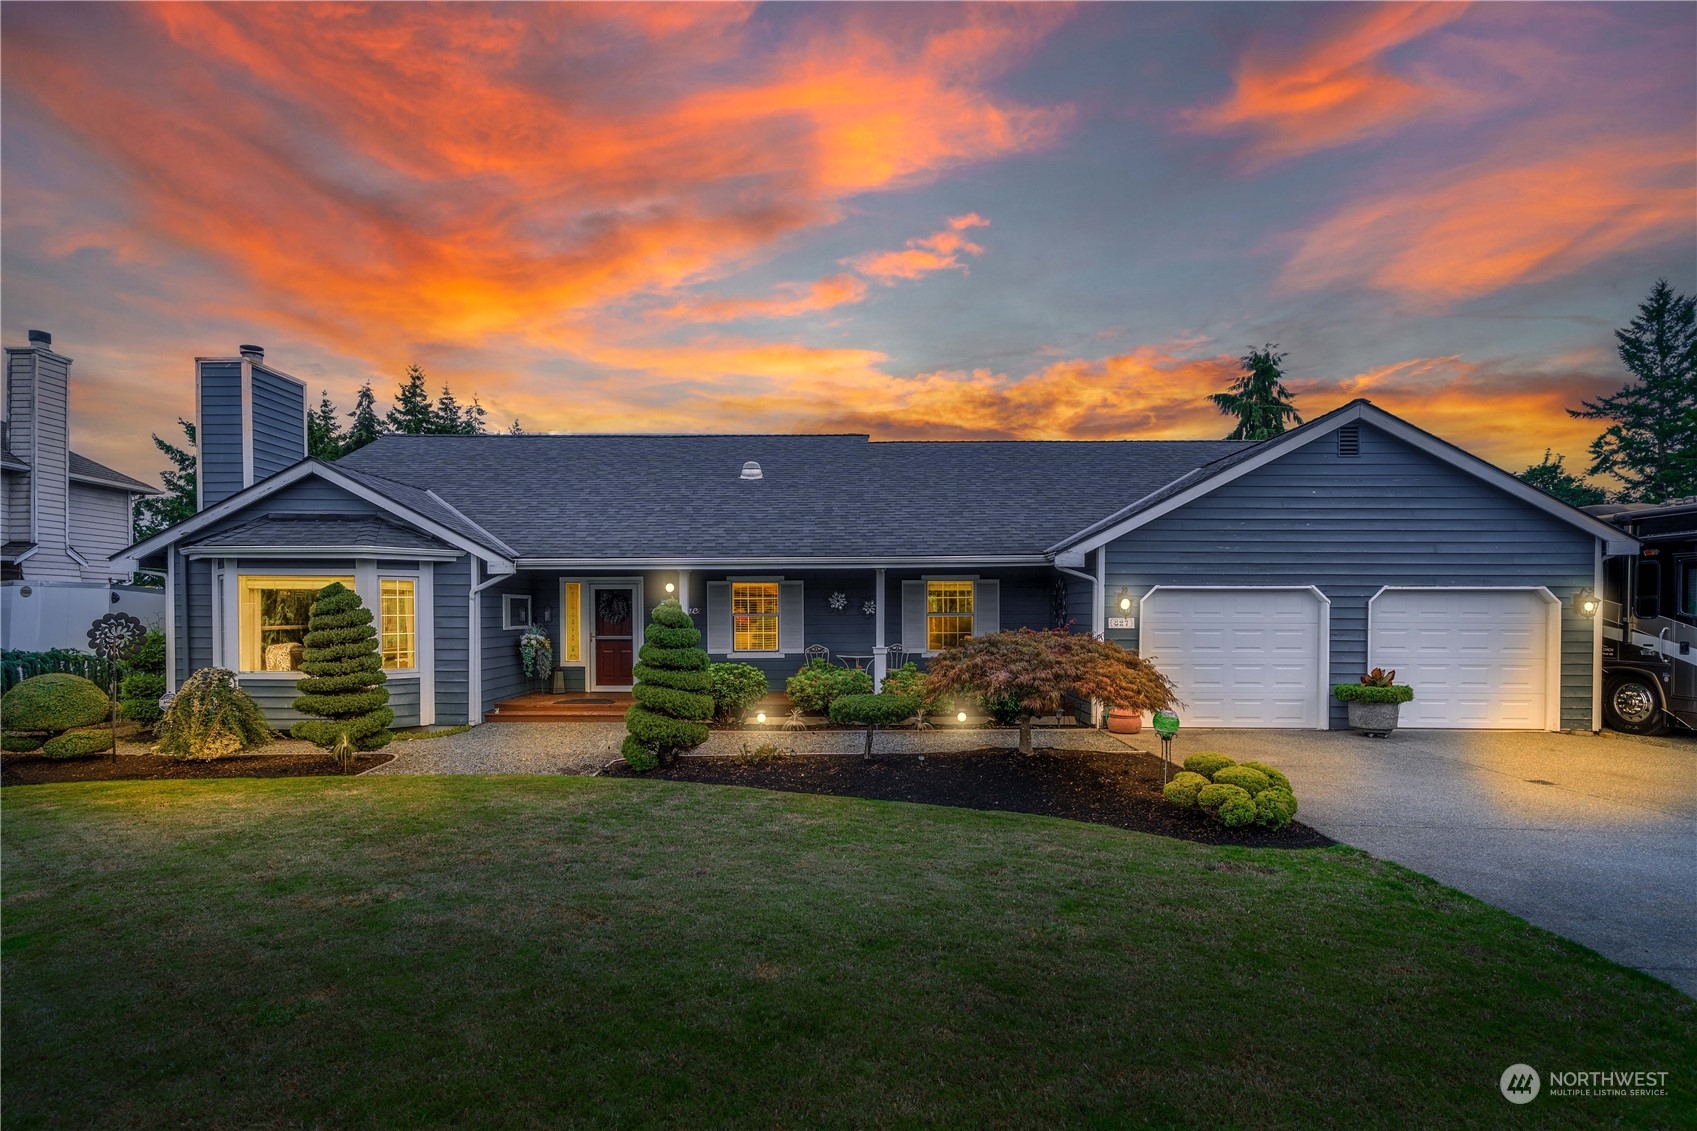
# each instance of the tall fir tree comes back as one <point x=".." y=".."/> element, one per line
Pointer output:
<point x="1259" y="398"/>
<point x="412" y="414"/>
<point x="473" y="419"/>
<point x="161" y="512"/>
<point x="343" y="685"/>
<point x="1552" y="478"/>
<point x="324" y="437"/>
<point x="1649" y="445"/>
<point x="446" y="418"/>
<point x="515" y="430"/>
<point x="367" y="424"/>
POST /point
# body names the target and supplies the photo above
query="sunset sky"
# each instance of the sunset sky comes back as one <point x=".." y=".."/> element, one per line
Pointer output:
<point x="911" y="220"/>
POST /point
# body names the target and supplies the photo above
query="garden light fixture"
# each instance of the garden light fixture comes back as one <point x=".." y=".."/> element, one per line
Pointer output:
<point x="761" y="718"/>
<point x="960" y="716"/>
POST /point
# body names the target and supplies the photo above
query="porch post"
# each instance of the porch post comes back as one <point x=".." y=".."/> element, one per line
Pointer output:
<point x="880" y="662"/>
<point x="683" y="589"/>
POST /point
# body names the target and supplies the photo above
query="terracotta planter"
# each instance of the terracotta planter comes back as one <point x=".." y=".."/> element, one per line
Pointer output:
<point x="1375" y="720"/>
<point x="1125" y="722"/>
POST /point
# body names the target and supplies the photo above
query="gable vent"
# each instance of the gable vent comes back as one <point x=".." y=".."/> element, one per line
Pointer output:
<point x="751" y="470"/>
<point x="1349" y="441"/>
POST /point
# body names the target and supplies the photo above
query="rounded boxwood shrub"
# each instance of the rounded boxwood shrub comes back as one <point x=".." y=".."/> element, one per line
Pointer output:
<point x="1182" y="790"/>
<point x="1215" y="794"/>
<point x="344" y="678"/>
<point x="909" y="680"/>
<point x="1207" y="764"/>
<point x="671" y="692"/>
<point x="78" y="743"/>
<point x="56" y="701"/>
<point x="1361" y="693"/>
<point x="211" y="717"/>
<point x="1275" y="807"/>
<point x="14" y="743"/>
<point x="1237" y="810"/>
<point x="139" y="695"/>
<point x="819" y="682"/>
<point x="873" y="711"/>
<point x="735" y="688"/>
<point x="1277" y="777"/>
<point x="1251" y="781"/>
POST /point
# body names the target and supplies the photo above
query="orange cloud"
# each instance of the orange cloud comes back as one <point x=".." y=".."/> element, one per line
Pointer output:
<point x="940" y="251"/>
<point x="791" y="300"/>
<point x="1336" y="91"/>
<point x="1517" y="217"/>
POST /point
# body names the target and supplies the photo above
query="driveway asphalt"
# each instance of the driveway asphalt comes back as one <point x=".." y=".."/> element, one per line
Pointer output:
<point x="1592" y="837"/>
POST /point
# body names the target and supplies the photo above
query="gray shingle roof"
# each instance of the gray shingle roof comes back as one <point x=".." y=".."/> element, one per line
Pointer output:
<point x="645" y="496"/>
<point x="11" y="550"/>
<point x="84" y="468"/>
<point x="299" y="531"/>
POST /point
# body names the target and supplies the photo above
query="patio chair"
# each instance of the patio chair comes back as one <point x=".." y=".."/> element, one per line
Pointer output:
<point x="818" y="652"/>
<point x="894" y="657"/>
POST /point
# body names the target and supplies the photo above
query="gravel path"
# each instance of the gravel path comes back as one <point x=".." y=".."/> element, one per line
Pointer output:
<point x="583" y="748"/>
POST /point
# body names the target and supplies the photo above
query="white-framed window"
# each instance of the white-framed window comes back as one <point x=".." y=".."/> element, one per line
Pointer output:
<point x="515" y="610"/>
<point x="397" y="629"/>
<point x="272" y="615"/>
<point x="754" y="616"/>
<point x="948" y="613"/>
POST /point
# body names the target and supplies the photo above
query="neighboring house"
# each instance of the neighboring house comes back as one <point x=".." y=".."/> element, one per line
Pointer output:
<point x="65" y="515"/>
<point x="1255" y="574"/>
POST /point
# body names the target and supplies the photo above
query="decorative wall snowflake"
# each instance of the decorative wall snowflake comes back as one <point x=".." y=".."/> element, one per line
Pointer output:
<point x="870" y="608"/>
<point x="838" y="601"/>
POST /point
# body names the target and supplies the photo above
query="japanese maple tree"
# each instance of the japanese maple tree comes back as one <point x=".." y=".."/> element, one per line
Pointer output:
<point x="1038" y="670"/>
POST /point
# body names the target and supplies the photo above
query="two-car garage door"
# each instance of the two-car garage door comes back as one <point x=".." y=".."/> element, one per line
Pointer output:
<point x="1477" y="658"/>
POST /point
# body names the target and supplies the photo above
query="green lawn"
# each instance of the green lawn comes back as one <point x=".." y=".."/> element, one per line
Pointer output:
<point x="549" y="951"/>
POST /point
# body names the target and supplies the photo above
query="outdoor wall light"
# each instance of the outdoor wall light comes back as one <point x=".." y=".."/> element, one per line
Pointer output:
<point x="1586" y="604"/>
<point x="670" y="588"/>
<point x="1123" y="600"/>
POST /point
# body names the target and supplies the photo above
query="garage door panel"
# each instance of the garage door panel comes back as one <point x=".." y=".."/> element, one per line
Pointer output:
<point x="1239" y="658"/>
<point x="1475" y="658"/>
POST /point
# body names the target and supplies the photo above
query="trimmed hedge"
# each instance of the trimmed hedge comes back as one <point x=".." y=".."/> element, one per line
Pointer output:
<point x="1182" y="790"/>
<point x="78" y="743"/>
<point x="872" y="712"/>
<point x="1277" y="777"/>
<point x="820" y="682"/>
<point x="668" y="717"/>
<point x="1361" y="693"/>
<point x="54" y="702"/>
<point x="344" y="678"/>
<point x="909" y="680"/>
<point x="735" y="688"/>
<point x="1207" y="764"/>
<point x="14" y="743"/>
<point x="1250" y="781"/>
<point x="139" y="695"/>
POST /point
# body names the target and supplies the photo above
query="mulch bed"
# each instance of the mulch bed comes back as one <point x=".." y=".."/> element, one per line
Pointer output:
<point x="1122" y="789"/>
<point x="26" y="769"/>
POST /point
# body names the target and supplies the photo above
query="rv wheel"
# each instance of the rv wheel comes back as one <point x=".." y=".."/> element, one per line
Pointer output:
<point x="1630" y="705"/>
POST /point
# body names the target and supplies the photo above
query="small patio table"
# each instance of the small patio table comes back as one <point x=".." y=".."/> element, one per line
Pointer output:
<point x="860" y="663"/>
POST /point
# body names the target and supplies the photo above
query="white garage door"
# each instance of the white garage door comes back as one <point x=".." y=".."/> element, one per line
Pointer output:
<point x="1476" y="658"/>
<point x="1239" y="657"/>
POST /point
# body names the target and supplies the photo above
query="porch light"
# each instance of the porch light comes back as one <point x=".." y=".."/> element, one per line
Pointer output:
<point x="1122" y="600"/>
<point x="670" y="588"/>
<point x="1586" y="604"/>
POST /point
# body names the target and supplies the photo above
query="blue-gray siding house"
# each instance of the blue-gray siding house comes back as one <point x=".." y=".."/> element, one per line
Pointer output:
<point x="1255" y="574"/>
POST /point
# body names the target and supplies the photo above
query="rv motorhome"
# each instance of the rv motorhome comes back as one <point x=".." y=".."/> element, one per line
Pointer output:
<point x="1649" y="612"/>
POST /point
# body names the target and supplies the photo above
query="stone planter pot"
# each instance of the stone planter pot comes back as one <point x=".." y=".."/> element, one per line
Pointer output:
<point x="1375" y="720"/>
<point x="1125" y="722"/>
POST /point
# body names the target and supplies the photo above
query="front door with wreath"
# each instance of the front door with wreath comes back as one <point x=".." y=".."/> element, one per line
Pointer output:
<point x="615" y="620"/>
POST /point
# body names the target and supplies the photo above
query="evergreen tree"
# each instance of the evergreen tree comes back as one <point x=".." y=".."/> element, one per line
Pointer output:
<point x="472" y="421"/>
<point x="161" y="512"/>
<point x="1649" y="445"/>
<point x="672" y="689"/>
<point x="323" y="430"/>
<point x="1554" y="479"/>
<point x="1259" y="398"/>
<point x="367" y="425"/>
<point x="445" y="418"/>
<point x="344" y="675"/>
<point x="515" y="430"/>
<point x="413" y="414"/>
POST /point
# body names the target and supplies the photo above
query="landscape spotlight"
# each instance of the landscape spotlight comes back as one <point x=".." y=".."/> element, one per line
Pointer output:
<point x="960" y="716"/>
<point x="760" y="718"/>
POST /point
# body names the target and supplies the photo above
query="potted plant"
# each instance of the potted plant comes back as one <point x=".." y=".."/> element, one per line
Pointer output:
<point x="1124" y="720"/>
<point x="1374" y="701"/>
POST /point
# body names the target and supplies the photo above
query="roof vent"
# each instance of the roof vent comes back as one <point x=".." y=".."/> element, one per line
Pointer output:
<point x="41" y="338"/>
<point x="1349" y="441"/>
<point x="253" y="353"/>
<point x="751" y="470"/>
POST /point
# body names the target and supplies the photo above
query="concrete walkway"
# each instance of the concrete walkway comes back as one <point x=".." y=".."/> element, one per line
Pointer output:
<point x="1592" y="837"/>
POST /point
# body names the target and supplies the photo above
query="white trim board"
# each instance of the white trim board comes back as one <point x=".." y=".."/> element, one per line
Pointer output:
<point x="1552" y="634"/>
<point x="1324" y="694"/>
<point x="1108" y="529"/>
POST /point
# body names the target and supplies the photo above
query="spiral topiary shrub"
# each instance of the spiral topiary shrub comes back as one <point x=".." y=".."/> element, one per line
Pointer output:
<point x="1275" y="776"/>
<point x="735" y="688"/>
<point x="344" y="675"/>
<point x="1207" y="764"/>
<point x="672" y="692"/>
<point x="1275" y="807"/>
<point x="54" y="703"/>
<point x="211" y="717"/>
<point x="1182" y="790"/>
<point x="1250" y="781"/>
<point x="78" y="743"/>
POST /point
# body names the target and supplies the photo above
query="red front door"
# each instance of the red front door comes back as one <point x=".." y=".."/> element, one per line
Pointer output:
<point x="615" y="618"/>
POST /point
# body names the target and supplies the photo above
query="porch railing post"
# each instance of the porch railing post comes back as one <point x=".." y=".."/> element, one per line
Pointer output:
<point x="880" y="662"/>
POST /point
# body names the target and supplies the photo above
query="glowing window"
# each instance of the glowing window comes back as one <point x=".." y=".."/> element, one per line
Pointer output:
<point x="948" y="613"/>
<point x="754" y="616"/>
<point x="272" y="617"/>
<point x="398" y="630"/>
